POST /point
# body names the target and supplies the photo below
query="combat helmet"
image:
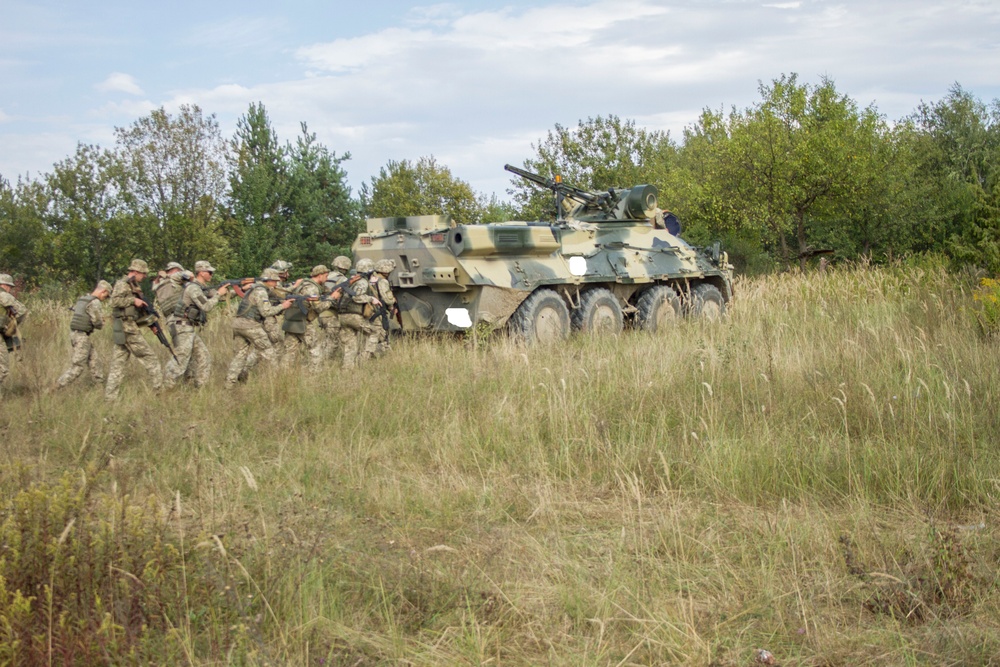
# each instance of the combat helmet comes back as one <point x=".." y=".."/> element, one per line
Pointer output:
<point x="342" y="263"/>
<point x="385" y="266"/>
<point x="6" y="279"/>
<point x="364" y="265"/>
<point x="139" y="266"/>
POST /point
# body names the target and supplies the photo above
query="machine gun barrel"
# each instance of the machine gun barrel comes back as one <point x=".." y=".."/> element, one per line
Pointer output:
<point x="562" y="189"/>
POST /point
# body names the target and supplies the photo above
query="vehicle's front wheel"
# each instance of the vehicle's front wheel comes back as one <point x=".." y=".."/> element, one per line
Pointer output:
<point x="599" y="313"/>
<point x="659" y="308"/>
<point x="541" y="318"/>
<point x="707" y="303"/>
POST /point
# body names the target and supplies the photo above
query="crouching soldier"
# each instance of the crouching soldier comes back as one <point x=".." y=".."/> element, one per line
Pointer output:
<point x="87" y="318"/>
<point x="12" y="313"/>
<point x="248" y="327"/>
<point x="191" y="313"/>
<point x="126" y="303"/>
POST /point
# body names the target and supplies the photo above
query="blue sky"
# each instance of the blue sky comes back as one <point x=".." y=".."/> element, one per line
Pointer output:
<point x="472" y="83"/>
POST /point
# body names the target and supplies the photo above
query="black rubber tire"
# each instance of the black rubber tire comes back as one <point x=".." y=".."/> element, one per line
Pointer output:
<point x="707" y="303"/>
<point x="659" y="307"/>
<point x="599" y="313"/>
<point x="541" y="318"/>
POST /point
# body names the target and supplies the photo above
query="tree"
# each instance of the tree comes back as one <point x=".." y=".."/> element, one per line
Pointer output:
<point x="86" y="214"/>
<point x="425" y="188"/>
<point x="954" y="149"/>
<point x="321" y="214"/>
<point x="258" y="193"/>
<point x="803" y="154"/>
<point x="174" y="180"/>
<point x="599" y="153"/>
<point x="24" y="240"/>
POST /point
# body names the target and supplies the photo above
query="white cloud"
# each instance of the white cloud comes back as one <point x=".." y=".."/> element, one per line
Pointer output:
<point x="477" y="87"/>
<point x="118" y="82"/>
<point x="3" y="117"/>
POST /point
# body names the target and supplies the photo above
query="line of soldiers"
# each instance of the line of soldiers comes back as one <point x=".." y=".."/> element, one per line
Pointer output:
<point x="277" y="321"/>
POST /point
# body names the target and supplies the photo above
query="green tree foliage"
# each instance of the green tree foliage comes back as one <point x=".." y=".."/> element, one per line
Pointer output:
<point x="258" y="193"/>
<point x="953" y="150"/>
<point x="803" y="154"/>
<point x="424" y="188"/>
<point x="173" y="182"/>
<point x="597" y="154"/>
<point x="86" y="214"/>
<point x="24" y="240"/>
<point x="322" y="217"/>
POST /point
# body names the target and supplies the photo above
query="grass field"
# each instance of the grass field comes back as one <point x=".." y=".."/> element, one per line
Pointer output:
<point x="819" y="476"/>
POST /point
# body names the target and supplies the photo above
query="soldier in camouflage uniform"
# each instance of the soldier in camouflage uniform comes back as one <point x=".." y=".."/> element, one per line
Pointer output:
<point x="356" y="305"/>
<point x="12" y="313"/>
<point x="383" y="291"/>
<point x="167" y="292"/>
<point x="126" y="300"/>
<point x="252" y="340"/>
<point x="273" y="325"/>
<point x="329" y="319"/>
<point x="87" y="318"/>
<point x="302" y="328"/>
<point x="191" y="314"/>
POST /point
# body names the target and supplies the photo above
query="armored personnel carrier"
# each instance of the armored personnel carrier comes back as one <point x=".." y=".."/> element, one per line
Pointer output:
<point x="606" y="262"/>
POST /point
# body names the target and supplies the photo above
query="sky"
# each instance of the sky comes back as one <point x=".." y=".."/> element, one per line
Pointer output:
<point x="475" y="84"/>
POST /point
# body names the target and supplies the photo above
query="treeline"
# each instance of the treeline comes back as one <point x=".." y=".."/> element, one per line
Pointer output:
<point x="802" y="171"/>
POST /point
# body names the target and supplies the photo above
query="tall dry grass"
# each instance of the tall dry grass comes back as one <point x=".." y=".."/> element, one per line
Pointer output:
<point x="817" y="476"/>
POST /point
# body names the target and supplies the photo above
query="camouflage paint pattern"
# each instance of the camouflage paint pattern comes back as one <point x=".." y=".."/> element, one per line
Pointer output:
<point x="450" y="277"/>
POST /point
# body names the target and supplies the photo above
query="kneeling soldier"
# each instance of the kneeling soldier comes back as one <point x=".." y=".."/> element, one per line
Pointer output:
<point x="248" y="327"/>
<point x="191" y="314"/>
<point x="12" y="313"/>
<point x="87" y="318"/>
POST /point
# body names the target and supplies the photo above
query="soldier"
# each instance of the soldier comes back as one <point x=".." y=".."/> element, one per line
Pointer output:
<point x="272" y="325"/>
<point x="329" y="320"/>
<point x="87" y="318"/>
<point x="356" y="304"/>
<point x="383" y="291"/>
<point x="301" y="324"/>
<point x="167" y="292"/>
<point x="191" y="313"/>
<point x="12" y="313"/>
<point x="126" y="302"/>
<point x="248" y="327"/>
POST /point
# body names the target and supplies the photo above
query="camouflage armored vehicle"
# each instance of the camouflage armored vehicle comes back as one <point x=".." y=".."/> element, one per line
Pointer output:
<point x="606" y="262"/>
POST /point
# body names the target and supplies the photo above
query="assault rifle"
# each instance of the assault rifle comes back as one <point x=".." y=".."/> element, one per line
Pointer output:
<point x="154" y="326"/>
<point x="148" y="313"/>
<point x="302" y="301"/>
<point x="601" y="200"/>
<point x="238" y="285"/>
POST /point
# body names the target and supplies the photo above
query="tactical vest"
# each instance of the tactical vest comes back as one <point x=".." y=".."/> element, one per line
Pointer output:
<point x="295" y="320"/>
<point x="191" y="312"/>
<point x="346" y="303"/>
<point x="248" y="311"/>
<point x="129" y="312"/>
<point x="168" y="294"/>
<point x="81" y="319"/>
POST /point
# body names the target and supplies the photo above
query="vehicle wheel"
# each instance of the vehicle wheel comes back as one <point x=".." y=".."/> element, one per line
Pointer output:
<point x="707" y="303"/>
<point x="599" y="313"/>
<point x="541" y="318"/>
<point x="659" y="309"/>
